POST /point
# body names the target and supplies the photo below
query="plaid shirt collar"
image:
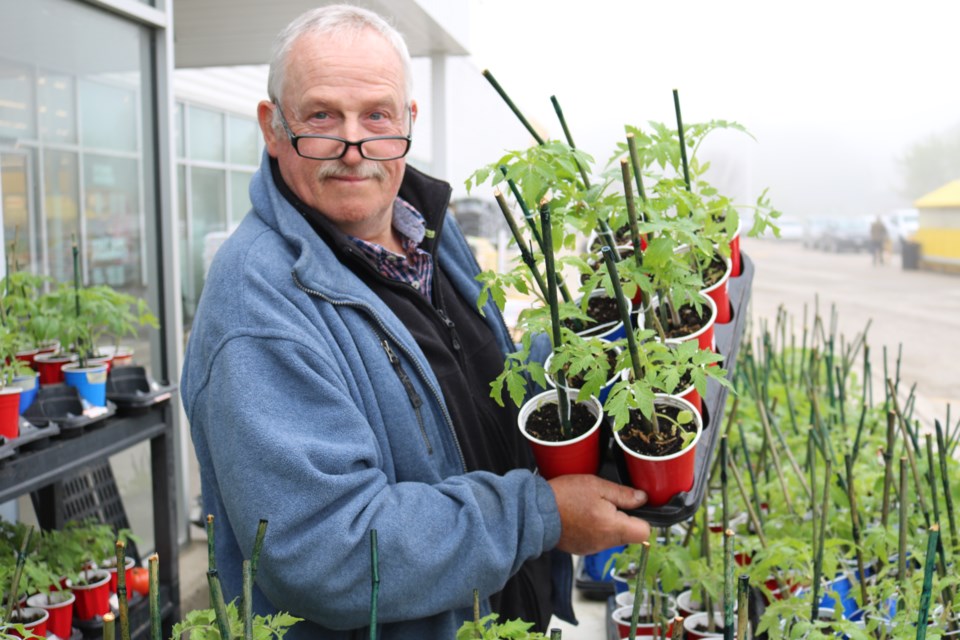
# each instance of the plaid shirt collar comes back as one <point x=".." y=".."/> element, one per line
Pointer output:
<point x="415" y="266"/>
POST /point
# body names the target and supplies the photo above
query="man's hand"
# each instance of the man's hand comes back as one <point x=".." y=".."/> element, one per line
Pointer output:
<point x="590" y="517"/>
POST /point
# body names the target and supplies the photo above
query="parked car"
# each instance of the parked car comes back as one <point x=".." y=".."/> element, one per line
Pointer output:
<point x="844" y="234"/>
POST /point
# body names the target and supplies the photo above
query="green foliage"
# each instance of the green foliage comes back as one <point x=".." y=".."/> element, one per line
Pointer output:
<point x="201" y="624"/>
<point x="487" y="628"/>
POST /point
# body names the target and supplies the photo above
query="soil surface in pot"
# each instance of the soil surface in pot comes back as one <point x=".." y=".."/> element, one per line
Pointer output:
<point x="690" y="321"/>
<point x="23" y="617"/>
<point x="638" y="433"/>
<point x="544" y="422"/>
<point x="713" y="272"/>
<point x="601" y="309"/>
<point x="577" y="381"/>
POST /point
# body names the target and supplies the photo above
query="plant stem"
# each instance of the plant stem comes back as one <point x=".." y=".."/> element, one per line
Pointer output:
<point x="525" y="254"/>
<point x="927" y="582"/>
<point x="503" y="94"/>
<point x="122" y="590"/>
<point x="12" y="602"/>
<point x="563" y="402"/>
<point x="374" y="583"/>
<point x="153" y="562"/>
<point x="683" y="146"/>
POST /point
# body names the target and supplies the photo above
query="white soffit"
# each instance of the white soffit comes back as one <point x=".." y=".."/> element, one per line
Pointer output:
<point x="240" y="32"/>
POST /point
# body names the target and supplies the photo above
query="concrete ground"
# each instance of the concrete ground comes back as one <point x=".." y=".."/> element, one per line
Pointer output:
<point x="920" y="310"/>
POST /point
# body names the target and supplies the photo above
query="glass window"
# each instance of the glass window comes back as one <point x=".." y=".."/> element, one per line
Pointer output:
<point x="60" y="196"/>
<point x="16" y="100"/>
<point x="108" y="116"/>
<point x="178" y="128"/>
<point x="205" y="135"/>
<point x="15" y="189"/>
<point x="56" y="108"/>
<point x="112" y="215"/>
<point x="244" y="134"/>
<point x="239" y="195"/>
<point x="208" y="217"/>
<point x="186" y="280"/>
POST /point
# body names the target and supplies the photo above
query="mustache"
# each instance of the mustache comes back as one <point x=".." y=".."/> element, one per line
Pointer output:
<point x="337" y="169"/>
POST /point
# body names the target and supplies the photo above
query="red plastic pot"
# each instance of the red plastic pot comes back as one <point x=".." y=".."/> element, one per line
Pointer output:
<point x="36" y="628"/>
<point x="93" y="599"/>
<point x="692" y="624"/>
<point x="10" y="412"/>
<point x="580" y="455"/>
<point x="735" y="260"/>
<point x="50" y="366"/>
<point x="719" y="292"/>
<point x="687" y="605"/>
<point x="27" y="356"/>
<point x="705" y="335"/>
<point x="622" y="616"/>
<point x="128" y="564"/>
<point x="59" y="606"/>
<point x="664" y="477"/>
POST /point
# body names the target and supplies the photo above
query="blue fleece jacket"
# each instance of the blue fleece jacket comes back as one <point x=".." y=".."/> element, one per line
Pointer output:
<point x="299" y="417"/>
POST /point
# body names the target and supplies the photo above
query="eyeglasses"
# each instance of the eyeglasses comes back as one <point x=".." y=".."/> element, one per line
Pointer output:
<point x="381" y="148"/>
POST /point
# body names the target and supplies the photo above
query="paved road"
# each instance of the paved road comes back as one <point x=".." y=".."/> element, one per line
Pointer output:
<point x="919" y="310"/>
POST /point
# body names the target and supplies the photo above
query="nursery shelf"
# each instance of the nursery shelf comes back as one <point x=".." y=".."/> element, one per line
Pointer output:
<point x="728" y="337"/>
<point x="44" y="471"/>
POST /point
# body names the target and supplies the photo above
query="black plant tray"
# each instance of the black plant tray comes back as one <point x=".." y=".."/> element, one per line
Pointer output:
<point x="31" y="437"/>
<point x="60" y="404"/>
<point x="727" y="337"/>
<point x="131" y="389"/>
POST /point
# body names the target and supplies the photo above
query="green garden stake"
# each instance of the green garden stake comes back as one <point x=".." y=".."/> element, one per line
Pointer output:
<point x="631" y="212"/>
<point x="211" y="555"/>
<point x="122" y="605"/>
<point x="888" y="468"/>
<point x="947" y="495"/>
<point x="525" y="254"/>
<point x="374" y="583"/>
<point x="155" y="626"/>
<point x="556" y="634"/>
<point x="217" y="603"/>
<point x="638" y="588"/>
<point x="820" y="541"/>
<point x="683" y="146"/>
<point x="257" y="548"/>
<point x="569" y="137"/>
<point x="743" y="606"/>
<point x="503" y="94"/>
<point x="246" y="606"/>
<point x="563" y="401"/>
<point x="109" y="628"/>
<point x="635" y="163"/>
<point x="728" y="600"/>
<point x="908" y="440"/>
<point x="855" y="526"/>
<point x="904" y="526"/>
<point x="927" y="582"/>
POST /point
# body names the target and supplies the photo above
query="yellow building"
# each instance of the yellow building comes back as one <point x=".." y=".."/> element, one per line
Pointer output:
<point x="939" y="230"/>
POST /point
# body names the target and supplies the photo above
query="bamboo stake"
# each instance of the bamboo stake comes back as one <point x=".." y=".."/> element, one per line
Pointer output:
<point x="109" y="629"/>
<point x="728" y="600"/>
<point x="927" y="582"/>
<point x="637" y="588"/>
<point x="153" y="562"/>
<point x="513" y="107"/>
<point x="743" y="606"/>
<point x="677" y="628"/>
<point x="257" y="548"/>
<point x="904" y="524"/>
<point x="637" y="175"/>
<point x="555" y="634"/>
<point x="753" y="481"/>
<point x="217" y="603"/>
<point x="941" y="553"/>
<point x="12" y="602"/>
<point x="569" y="137"/>
<point x="855" y="521"/>
<point x="527" y="214"/>
<point x="631" y="212"/>
<point x="819" y="542"/>
<point x="947" y="496"/>
<point x="211" y="555"/>
<point x="910" y="457"/>
<point x="374" y="583"/>
<point x="705" y="598"/>
<point x="246" y="603"/>
<point x="122" y="604"/>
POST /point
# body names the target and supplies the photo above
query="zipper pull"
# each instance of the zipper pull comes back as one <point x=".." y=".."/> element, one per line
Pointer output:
<point x="452" y="327"/>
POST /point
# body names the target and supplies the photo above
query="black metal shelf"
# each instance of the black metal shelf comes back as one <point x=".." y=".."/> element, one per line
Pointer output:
<point x="43" y="472"/>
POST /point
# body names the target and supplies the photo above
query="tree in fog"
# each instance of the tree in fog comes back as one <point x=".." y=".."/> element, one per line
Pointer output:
<point x="931" y="163"/>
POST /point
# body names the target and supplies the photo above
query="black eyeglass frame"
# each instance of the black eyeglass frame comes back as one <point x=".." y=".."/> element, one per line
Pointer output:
<point x="295" y="140"/>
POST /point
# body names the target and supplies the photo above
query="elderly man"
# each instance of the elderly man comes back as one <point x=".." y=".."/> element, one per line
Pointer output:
<point x="337" y="375"/>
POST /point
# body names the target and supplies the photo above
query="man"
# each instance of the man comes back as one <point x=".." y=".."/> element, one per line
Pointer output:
<point x="878" y="238"/>
<point x="337" y="375"/>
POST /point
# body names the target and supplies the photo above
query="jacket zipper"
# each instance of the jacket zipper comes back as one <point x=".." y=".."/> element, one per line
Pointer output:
<point x="411" y="392"/>
<point x="385" y="332"/>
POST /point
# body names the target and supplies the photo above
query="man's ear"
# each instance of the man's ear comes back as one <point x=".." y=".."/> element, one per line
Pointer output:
<point x="413" y="109"/>
<point x="271" y="138"/>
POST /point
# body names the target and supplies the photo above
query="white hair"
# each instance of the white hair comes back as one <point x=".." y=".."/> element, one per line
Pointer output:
<point x="337" y="20"/>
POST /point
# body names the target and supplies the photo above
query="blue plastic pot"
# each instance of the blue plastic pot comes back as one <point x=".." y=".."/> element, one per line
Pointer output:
<point x="29" y="385"/>
<point x="90" y="382"/>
